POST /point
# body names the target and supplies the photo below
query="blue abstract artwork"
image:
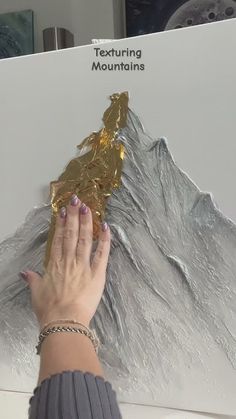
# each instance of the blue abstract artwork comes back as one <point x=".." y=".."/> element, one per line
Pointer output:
<point x="16" y="34"/>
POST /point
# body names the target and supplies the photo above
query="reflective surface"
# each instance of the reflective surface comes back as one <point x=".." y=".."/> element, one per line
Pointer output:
<point x="96" y="171"/>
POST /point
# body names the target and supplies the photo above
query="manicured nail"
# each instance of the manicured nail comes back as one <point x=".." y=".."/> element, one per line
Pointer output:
<point x="74" y="200"/>
<point x="104" y="226"/>
<point x="83" y="209"/>
<point x="63" y="212"/>
<point x="24" y="275"/>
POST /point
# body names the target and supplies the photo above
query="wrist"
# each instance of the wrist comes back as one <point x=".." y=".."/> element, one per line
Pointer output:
<point x="65" y="327"/>
<point x="64" y="323"/>
<point x="65" y="339"/>
<point x="58" y="317"/>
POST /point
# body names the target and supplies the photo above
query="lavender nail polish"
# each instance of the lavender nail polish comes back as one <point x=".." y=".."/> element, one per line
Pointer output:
<point x="74" y="200"/>
<point x="63" y="212"/>
<point x="83" y="209"/>
<point x="104" y="226"/>
<point x="24" y="275"/>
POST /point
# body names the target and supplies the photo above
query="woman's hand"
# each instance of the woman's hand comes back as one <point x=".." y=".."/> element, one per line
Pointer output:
<point x="72" y="285"/>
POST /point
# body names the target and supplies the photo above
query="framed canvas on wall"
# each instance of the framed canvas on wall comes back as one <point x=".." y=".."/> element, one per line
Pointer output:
<point x="16" y="34"/>
<point x="148" y="16"/>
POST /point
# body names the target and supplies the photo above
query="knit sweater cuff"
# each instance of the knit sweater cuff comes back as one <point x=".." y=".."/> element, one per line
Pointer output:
<point x="72" y="395"/>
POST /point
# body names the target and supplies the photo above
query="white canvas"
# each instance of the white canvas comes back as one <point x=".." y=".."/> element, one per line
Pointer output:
<point x="50" y="102"/>
<point x="16" y="405"/>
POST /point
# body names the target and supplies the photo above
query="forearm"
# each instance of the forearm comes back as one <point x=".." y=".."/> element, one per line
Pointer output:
<point x="71" y="382"/>
<point x="68" y="351"/>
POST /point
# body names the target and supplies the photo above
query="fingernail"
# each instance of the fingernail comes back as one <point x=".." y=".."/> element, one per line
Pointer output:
<point x="63" y="212"/>
<point x="104" y="226"/>
<point x="83" y="209"/>
<point x="24" y="275"/>
<point x="74" y="200"/>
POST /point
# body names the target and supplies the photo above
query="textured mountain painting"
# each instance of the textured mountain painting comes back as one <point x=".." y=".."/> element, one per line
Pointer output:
<point x="167" y="320"/>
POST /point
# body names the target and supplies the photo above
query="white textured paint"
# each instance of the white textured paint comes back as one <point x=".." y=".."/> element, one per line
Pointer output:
<point x="86" y="19"/>
<point x="168" y="319"/>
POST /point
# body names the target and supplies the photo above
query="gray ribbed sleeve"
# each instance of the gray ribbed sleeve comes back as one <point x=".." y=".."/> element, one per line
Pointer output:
<point x="74" y="395"/>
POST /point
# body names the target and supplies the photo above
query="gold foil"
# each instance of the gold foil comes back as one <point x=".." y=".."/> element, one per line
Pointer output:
<point x="94" y="174"/>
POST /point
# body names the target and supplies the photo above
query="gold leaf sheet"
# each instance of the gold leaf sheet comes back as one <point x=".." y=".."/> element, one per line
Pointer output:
<point x="94" y="174"/>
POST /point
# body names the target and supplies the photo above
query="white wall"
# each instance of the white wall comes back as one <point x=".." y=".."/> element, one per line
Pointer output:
<point x="92" y="19"/>
<point x="85" y="18"/>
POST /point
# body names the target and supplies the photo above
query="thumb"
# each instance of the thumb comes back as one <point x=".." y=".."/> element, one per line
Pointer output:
<point x="30" y="277"/>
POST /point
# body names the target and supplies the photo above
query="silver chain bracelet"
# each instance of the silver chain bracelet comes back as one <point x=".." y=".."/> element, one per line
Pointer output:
<point x="89" y="333"/>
